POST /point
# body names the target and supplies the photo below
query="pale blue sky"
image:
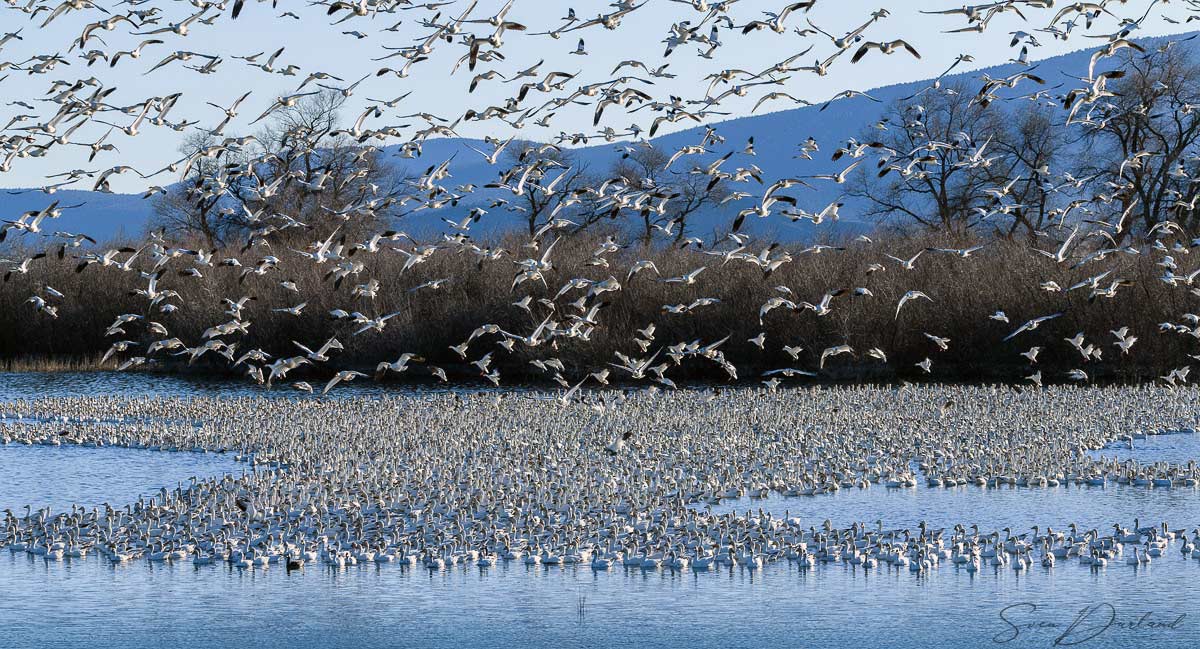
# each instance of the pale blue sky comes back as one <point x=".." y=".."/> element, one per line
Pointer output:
<point x="315" y="45"/>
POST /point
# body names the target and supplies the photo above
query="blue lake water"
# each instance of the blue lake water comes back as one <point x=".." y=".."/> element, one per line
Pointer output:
<point x="90" y="602"/>
<point x="59" y="476"/>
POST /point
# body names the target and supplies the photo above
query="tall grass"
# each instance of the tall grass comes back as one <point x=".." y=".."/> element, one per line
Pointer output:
<point x="1003" y="276"/>
<point x="60" y="363"/>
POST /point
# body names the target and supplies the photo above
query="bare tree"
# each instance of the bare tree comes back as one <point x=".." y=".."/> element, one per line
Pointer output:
<point x="326" y="176"/>
<point x="552" y="184"/>
<point x="193" y="207"/>
<point x="1032" y="144"/>
<point x="298" y="166"/>
<point x="939" y="146"/>
<point x="1143" y="141"/>
<point x="682" y="193"/>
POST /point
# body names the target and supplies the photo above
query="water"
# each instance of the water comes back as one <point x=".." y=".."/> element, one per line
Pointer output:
<point x="77" y="602"/>
<point x="1019" y="508"/>
<point x="17" y="385"/>
<point x="90" y="602"/>
<point x="59" y="476"/>
<point x="25" y="385"/>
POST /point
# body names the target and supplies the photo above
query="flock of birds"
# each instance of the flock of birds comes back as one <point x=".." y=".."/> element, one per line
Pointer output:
<point x="598" y="478"/>
<point x="642" y="479"/>
<point x="237" y="183"/>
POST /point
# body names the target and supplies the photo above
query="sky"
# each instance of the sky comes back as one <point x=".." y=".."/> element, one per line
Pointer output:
<point x="314" y="43"/>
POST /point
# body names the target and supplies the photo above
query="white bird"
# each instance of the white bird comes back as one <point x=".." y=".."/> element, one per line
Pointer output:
<point x="322" y="354"/>
<point x="1032" y="354"/>
<point x="344" y="375"/>
<point x="688" y="279"/>
<point x="1031" y="325"/>
<point x="910" y="295"/>
<point x="910" y="263"/>
<point x="942" y="343"/>
<point x="292" y="310"/>
<point x="834" y="351"/>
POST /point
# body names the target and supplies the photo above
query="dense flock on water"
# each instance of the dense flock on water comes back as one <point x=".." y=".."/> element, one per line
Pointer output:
<point x="622" y="479"/>
<point x="291" y="249"/>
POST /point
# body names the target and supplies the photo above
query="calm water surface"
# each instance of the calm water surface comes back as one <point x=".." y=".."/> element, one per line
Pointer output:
<point x="90" y="602"/>
<point x="59" y="476"/>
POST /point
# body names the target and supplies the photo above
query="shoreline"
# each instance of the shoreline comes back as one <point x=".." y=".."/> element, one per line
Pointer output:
<point x="534" y="381"/>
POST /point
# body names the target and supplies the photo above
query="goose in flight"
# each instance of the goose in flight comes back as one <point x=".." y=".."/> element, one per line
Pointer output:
<point x="322" y="354"/>
<point x="1124" y="340"/>
<point x="291" y="310"/>
<point x="133" y="362"/>
<point x="399" y="366"/>
<point x="775" y="21"/>
<point x="639" y="266"/>
<point x="433" y="284"/>
<point x="911" y="295"/>
<point x="942" y="343"/>
<point x="285" y="101"/>
<point x="1060" y="255"/>
<point x="885" y="47"/>
<point x="567" y="397"/>
<point x="344" y="375"/>
<point x="40" y="305"/>
<point x="962" y="253"/>
<point x="1031" y="325"/>
<point x="118" y="347"/>
<point x="375" y="324"/>
<point x="822" y="308"/>
<point x="839" y="177"/>
<point x="23" y="267"/>
<point x="1031" y="354"/>
<point x="282" y="366"/>
<point x="688" y="279"/>
<point x="835" y="351"/>
<point x="636" y="367"/>
<point x="789" y="372"/>
<point x="179" y="28"/>
<point x="908" y="264"/>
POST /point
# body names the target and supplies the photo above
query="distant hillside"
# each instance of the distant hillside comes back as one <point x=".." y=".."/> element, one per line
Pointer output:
<point x="777" y="136"/>
<point x="101" y="216"/>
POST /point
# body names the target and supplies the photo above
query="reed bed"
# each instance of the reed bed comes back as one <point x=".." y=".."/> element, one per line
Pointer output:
<point x="1005" y="275"/>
